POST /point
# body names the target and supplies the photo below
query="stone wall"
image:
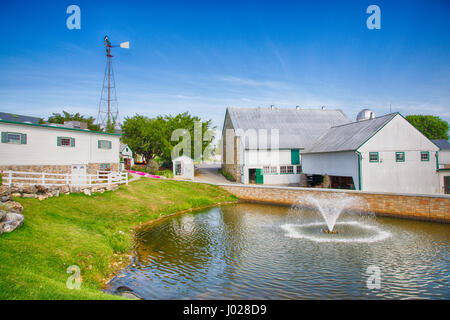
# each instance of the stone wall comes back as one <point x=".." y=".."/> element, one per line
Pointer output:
<point x="422" y="207"/>
<point x="230" y="142"/>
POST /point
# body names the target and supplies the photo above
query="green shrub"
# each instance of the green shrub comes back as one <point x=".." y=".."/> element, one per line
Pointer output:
<point x="139" y="168"/>
<point x="119" y="242"/>
<point x="165" y="173"/>
<point x="1" y="179"/>
<point x="152" y="166"/>
<point x="227" y="175"/>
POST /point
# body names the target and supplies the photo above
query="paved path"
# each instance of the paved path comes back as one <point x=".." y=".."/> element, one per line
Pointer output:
<point x="209" y="173"/>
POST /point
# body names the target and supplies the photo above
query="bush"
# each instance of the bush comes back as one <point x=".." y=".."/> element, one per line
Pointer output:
<point x="152" y="167"/>
<point x="165" y="173"/>
<point x="227" y="175"/>
<point x="1" y="179"/>
<point x="139" y="168"/>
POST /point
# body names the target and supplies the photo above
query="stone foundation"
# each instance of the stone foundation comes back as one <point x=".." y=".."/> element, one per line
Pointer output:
<point x="422" y="207"/>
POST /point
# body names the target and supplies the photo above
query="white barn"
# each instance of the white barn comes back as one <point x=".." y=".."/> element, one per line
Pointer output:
<point x="34" y="147"/>
<point x="384" y="154"/>
<point x="126" y="155"/>
<point x="444" y="165"/>
<point x="264" y="145"/>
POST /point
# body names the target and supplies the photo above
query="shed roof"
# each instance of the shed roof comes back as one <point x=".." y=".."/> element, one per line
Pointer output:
<point x="442" y="144"/>
<point x="298" y="128"/>
<point x="18" y="118"/>
<point x="349" y="137"/>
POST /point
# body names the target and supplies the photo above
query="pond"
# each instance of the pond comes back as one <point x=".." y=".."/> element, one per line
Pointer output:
<point x="253" y="251"/>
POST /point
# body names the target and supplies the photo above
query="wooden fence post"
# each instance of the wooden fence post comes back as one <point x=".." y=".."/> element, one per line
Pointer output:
<point x="43" y="178"/>
<point x="10" y="178"/>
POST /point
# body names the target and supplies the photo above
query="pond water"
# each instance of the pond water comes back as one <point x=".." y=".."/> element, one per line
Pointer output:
<point x="252" y="251"/>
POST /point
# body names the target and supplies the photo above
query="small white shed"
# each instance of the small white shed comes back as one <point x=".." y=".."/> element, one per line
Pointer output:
<point x="183" y="167"/>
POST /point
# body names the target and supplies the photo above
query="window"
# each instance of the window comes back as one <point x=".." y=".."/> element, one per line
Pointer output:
<point x="424" y="156"/>
<point x="65" y="142"/>
<point x="14" y="138"/>
<point x="270" y="170"/>
<point x="286" y="169"/>
<point x="400" y="157"/>
<point x="373" y="157"/>
<point x="105" y="166"/>
<point x="298" y="169"/>
<point x="104" y="144"/>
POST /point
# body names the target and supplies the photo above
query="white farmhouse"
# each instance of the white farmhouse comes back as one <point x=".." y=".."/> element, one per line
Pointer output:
<point x="264" y="145"/>
<point x="444" y="165"/>
<point x="383" y="154"/>
<point x="126" y="154"/>
<point x="33" y="147"/>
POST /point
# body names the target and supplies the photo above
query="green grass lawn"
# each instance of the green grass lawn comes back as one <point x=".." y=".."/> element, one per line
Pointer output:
<point x="85" y="231"/>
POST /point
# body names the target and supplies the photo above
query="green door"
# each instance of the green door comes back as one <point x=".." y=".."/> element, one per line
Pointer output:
<point x="259" y="176"/>
<point x="295" y="156"/>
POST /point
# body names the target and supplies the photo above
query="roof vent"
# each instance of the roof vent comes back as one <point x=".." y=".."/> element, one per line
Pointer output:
<point x="323" y="107"/>
<point x="297" y="107"/>
<point x="365" y="114"/>
<point x="272" y="106"/>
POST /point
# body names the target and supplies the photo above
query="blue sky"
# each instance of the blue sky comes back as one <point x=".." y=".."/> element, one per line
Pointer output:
<point x="204" y="56"/>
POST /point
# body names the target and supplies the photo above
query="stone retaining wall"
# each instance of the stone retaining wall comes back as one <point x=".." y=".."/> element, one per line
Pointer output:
<point x="422" y="207"/>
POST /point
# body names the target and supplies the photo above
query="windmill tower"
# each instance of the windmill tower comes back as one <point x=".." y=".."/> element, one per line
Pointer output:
<point x="108" y="109"/>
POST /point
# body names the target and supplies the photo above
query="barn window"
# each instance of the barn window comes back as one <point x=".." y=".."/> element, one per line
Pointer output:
<point x="424" y="156"/>
<point x="65" y="142"/>
<point x="298" y="169"/>
<point x="105" y="166"/>
<point x="270" y="170"/>
<point x="14" y="138"/>
<point x="104" y="144"/>
<point x="400" y="157"/>
<point x="373" y="157"/>
<point x="286" y="169"/>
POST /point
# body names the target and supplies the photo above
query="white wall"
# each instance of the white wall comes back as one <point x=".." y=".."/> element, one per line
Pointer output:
<point x="334" y="164"/>
<point x="41" y="147"/>
<point x="444" y="158"/>
<point x="411" y="176"/>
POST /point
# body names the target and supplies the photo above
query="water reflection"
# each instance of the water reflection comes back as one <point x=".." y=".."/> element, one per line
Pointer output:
<point x="242" y="252"/>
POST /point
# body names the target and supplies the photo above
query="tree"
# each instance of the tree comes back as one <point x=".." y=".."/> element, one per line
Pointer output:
<point x="431" y="126"/>
<point x="151" y="137"/>
<point x="144" y="136"/>
<point x="66" y="116"/>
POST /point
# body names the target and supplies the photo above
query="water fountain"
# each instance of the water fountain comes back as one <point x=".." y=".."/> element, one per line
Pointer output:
<point x="330" y="209"/>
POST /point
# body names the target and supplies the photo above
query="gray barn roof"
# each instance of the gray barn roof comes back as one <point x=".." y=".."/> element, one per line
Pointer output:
<point x="349" y="137"/>
<point x="298" y="128"/>
<point x="442" y="144"/>
<point x="18" y="118"/>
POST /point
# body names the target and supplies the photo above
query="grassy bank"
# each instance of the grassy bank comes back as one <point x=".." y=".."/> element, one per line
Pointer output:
<point x="94" y="233"/>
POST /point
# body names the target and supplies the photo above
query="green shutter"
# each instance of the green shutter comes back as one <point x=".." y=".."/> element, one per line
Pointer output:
<point x="259" y="176"/>
<point x="58" y="141"/>
<point x="4" y="137"/>
<point x="23" y="138"/>
<point x="99" y="144"/>
<point x="72" y="142"/>
<point x="109" y="145"/>
<point x="295" y="156"/>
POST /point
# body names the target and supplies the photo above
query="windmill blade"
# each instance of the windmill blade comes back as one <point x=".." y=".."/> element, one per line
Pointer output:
<point x="125" y="45"/>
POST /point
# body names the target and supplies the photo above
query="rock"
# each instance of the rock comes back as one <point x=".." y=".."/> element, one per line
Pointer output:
<point x="64" y="189"/>
<point x="126" y="292"/>
<point x="12" y="221"/>
<point x="42" y="197"/>
<point x="29" y="189"/>
<point x="55" y="193"/>
<point x="2" y="215"/>
<point x="16" y="195"/>
<point x="5" y="193"/>
<point x="12" y="206"/>
<point x="29" y="195"/>
<point x="112" y="187"/>
<point x="16" y="188"/>
<point x="87" y="192"/>
<point x="75" y="189"/>
<point x="41" y="188"/>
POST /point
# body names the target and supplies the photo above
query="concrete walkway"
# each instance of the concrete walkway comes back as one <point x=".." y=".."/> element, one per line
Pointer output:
<point x="209" y="173"/>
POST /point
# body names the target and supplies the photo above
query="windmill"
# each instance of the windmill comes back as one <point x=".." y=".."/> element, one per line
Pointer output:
<point x="108" y="109"/>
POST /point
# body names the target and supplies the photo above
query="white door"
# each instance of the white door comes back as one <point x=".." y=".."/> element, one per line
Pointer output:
<point x="78" y="174"/>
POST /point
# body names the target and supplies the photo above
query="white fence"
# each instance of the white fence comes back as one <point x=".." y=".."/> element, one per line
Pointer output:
<point x="102" y="178"/>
